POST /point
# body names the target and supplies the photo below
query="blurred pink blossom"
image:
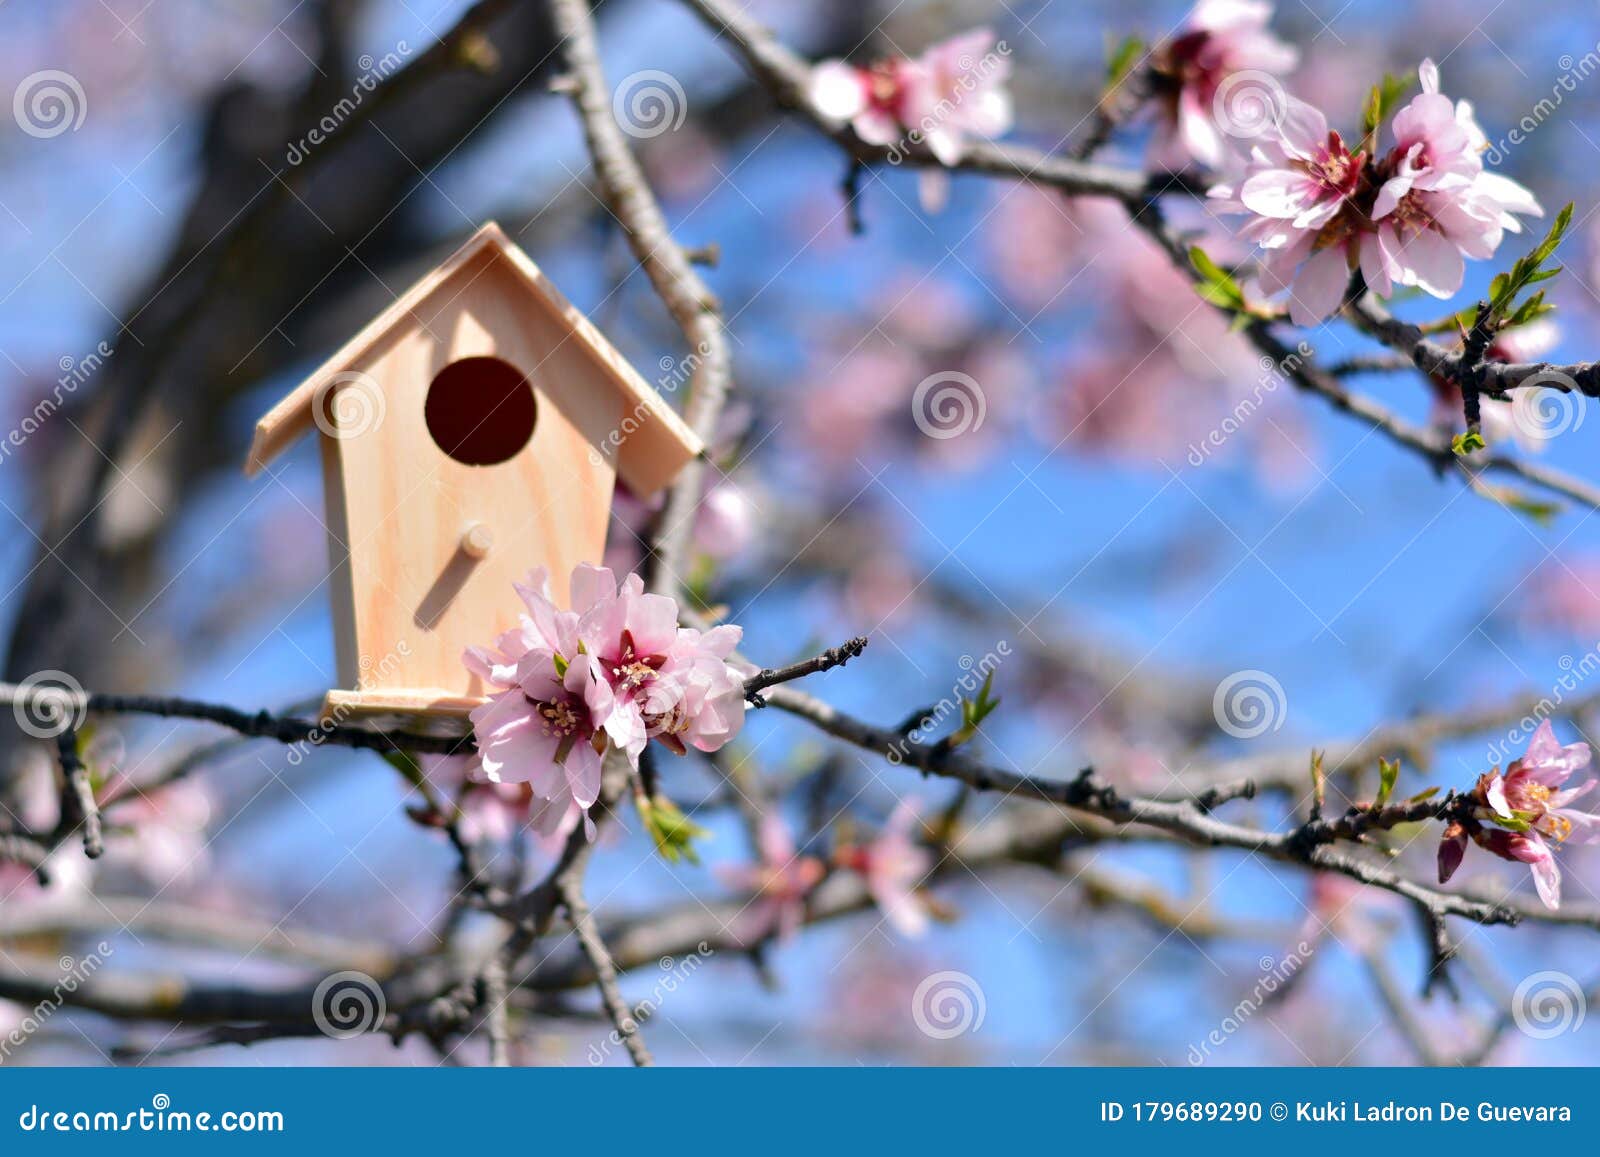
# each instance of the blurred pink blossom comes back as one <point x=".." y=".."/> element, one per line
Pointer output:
<point x="952" y="93"/>
<point x="778" y="883"/>
<point x="725" y="522"/>
<point x="894" y="864"/>
<point x="158" y="831"/>
<point x="488" y="810"/>
<point x="1562" y="594"/>
<point x="1219" y="40"/>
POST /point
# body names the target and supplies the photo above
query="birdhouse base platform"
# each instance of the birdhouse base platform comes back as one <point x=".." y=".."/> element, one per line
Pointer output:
<point x="423" y="711"/>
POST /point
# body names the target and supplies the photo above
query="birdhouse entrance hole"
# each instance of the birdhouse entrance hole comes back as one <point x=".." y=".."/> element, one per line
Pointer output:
<point x="480" y="411"/>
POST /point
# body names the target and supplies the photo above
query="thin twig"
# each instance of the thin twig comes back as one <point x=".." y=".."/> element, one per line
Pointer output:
<point x="605" y="970"/>
<point x="497" y="1015"/>
<point x="27" y="851"/>
<point x="78" y="806"/>
<point x="826" y="661"/>
<point x="1310" y="845"/>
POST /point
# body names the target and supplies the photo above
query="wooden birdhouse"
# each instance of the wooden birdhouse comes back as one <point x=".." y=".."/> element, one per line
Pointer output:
<point x="473" y="431"/>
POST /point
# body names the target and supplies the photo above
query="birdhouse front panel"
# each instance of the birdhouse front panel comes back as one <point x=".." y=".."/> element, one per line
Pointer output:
<point x="462" y="450"/>
<point x="471" y="432"/>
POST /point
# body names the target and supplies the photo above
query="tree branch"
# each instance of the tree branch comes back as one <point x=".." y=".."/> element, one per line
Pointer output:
<point x="605" y="970"/>
<point x="1309" y="845"/>
<point x="669" y="268"/>
<point x="786" y="76"/>
<point x="829" y="659"/>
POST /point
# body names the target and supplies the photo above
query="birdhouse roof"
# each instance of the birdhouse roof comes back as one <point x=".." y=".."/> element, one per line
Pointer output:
<point x="657" y="445"/>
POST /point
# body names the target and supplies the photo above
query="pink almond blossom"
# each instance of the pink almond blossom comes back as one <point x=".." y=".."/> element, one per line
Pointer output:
<point x="613" y="672"/>
<point x="670" y="683"/>
<point x="725" y="522"/>
<point x="633" y="637"/>
<point x="1436" y="146"/>
<point x="1320" y="212"/>
<point x="1219" y="40"/>
<point x="546" y="726"/>
<point x="1303" y="177"/>
<point x="546" y="729"/>
<point x="1530" y="809"/>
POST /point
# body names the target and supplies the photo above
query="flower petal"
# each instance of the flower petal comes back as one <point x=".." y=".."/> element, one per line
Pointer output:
<point x="1319" y="287"/>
